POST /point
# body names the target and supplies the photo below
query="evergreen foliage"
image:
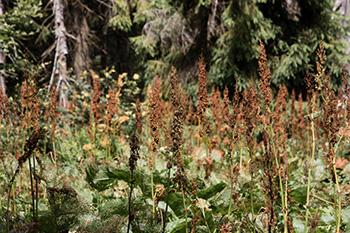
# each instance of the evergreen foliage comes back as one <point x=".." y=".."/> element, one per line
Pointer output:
<point x="146" y="37"/>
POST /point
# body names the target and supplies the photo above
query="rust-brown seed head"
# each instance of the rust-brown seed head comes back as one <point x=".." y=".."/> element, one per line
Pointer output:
<point x="202" y="89"/>
<point x="265" y="76"/>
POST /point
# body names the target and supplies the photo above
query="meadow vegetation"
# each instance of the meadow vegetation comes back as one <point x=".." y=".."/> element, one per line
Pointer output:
<point x="115" y="160"/>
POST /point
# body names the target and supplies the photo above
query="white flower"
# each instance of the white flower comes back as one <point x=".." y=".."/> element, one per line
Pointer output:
<point x="203" y="204"/>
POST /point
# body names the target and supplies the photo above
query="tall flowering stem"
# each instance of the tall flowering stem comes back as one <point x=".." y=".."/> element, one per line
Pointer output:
<point x="155" y="114"/>
<point x="176" y="137"/>
<point x="202" y="95"/>
<point x="112" y="107"/>
<point x="331" y="126"/>
<point x="134" y="156"/>
<point x="281" y="154"/>
<point x="95" y="104"/>
<point x="269" y="161"/>
<point x="312" y="110"/>
<point x="29" y="148"/>
<point x="265" y="79"/>
<point x="177" y="128"/>
<point x="51" y="113"/>
<point x="251" y="111"/>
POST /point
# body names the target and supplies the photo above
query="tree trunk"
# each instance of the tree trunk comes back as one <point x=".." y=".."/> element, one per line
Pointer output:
<point x="2" y="60"/>
<point x="81" y="31"/>
<point x="343" y="6"/>
<point x="59" y="73"/>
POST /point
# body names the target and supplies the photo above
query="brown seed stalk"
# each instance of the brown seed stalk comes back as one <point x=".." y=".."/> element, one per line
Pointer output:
<point x="265" y="78"/>
<point x="176" y="129"/>
<point x="202" y="91"/>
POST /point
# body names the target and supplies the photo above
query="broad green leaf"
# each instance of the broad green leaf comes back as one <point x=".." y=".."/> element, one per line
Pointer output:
<point x="177" y="226"/>
<point x="211" y="191"/>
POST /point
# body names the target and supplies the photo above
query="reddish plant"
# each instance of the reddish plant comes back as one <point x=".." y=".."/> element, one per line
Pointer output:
<point x="202" y="91"/>
<point x="95" y="97"/>
<point x="177" y="129"/>
<point x="265" y="78"/>
<point x="155" y="112"/>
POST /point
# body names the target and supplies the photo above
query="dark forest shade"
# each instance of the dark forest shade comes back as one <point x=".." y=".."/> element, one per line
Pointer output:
<point x="147" y="37"/>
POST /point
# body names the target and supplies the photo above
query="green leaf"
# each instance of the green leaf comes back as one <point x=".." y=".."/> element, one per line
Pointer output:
<point x="175" y="202"/>
<point x="114" y="207"/>
<point x="211" y="191"/>
<point x="299" y="195"/>
<point x="179" y="225"/>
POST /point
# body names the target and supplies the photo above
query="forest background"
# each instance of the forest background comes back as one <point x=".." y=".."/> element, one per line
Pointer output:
<point x="58" y="41"/>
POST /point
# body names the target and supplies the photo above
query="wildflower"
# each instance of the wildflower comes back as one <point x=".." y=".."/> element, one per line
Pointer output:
<point x="88" y="147"/>
<point x="293" y="119"/>
<point x="268" y="184"/>
<point x="30" y="145"/>
<point x="320" y="66"/>
<point x="134" y="152"/>
<point x="217" y="108"/>
<point x="250" y="113"/>
<point x="155" y="110"/>
<point x="203" y="204"/>
<point x="30" y="105"/>
<point x="52" y="113"/>
<point x="105" y="142"/>
<point x="134" y="156"/>
<point x="330" y="121"/>
<point x="190" y="117"/>
<point x="96" y="93"/>
<point x="301" y="122"/>
<point x="226" y="109"/>
<point x="159" y="192"/>
<point x="111" y="106"/>
<point x="202" y="93"/>
<point x="226" y="228"/>
<point x="279" y="122"/>
<point x="331" y="125"/>
<point x="176" y="129"/>
<point x="265" y="77"/>
<point x="195" y="220"/>
<point x="194" y="187"/>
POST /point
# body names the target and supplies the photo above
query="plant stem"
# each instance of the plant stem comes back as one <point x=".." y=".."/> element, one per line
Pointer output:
<point x="185" y="210"/>
<point x="337" y="197"/>
<point x="32" y="187"/>
<point x="281" y="185"/>
<point x="337" y="191"/>
<point x="231" y="183"/>
<point x="8" y="207"/>
<point x="153" y="197"/>
<point x="282" y="193"/>
<point x="286" y="205"/>
<point x="311" y="160"/>
<point x="166" y="204"/>
<point x="130" y="215"/>
<point x="36" y="190"/>
<point x="322" y="199"/>
<point x="240" y="159"/>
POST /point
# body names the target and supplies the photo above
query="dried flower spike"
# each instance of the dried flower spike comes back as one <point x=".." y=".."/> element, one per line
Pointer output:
<point x="202" y="89"/>
<point x="265" y="76"/>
